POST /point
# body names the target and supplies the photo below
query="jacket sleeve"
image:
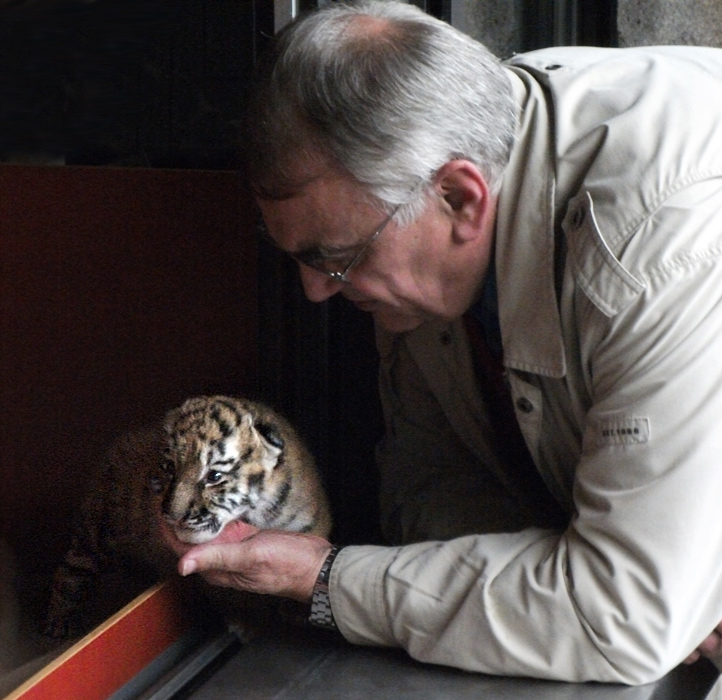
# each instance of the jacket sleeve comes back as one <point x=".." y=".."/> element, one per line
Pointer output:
<point x="635" y="582"/>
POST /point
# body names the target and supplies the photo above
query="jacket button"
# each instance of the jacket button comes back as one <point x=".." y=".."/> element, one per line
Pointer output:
<point x="579" y="216"/>
<point x="524" y="405"/>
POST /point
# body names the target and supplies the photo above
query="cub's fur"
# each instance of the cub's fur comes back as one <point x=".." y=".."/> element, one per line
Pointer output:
<point x="209" y="462"/>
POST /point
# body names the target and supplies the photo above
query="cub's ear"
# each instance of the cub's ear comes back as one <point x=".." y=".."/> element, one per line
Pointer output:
<point x="272" y="444"/>
<point x="270" y="432"/>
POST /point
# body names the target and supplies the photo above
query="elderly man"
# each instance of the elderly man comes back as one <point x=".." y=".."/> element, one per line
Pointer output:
<point x="539" y="243"/>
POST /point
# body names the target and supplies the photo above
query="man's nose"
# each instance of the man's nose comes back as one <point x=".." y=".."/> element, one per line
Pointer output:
<point x="316" y="285"/>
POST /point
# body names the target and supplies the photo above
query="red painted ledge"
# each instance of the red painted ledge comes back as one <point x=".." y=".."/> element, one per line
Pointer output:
<point x="107" y="658"/>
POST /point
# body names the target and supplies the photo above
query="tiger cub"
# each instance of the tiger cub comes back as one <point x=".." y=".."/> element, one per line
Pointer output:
<point x="211" y="461"/>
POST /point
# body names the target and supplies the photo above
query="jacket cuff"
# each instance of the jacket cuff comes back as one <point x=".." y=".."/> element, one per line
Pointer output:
<point x="356" y="589"/>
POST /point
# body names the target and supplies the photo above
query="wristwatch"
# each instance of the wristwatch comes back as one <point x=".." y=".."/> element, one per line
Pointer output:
<point x="321" y="614"/>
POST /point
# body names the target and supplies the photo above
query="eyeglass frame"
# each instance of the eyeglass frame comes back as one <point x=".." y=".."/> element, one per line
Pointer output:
<point x="342" y="276"/>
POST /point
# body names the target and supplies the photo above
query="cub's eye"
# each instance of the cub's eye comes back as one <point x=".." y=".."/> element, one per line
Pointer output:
<point x="167" y="467"/>
<point x="213" y="477"/>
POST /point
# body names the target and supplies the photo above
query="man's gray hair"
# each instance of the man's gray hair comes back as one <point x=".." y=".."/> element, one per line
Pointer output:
<point x="383" y="91"/>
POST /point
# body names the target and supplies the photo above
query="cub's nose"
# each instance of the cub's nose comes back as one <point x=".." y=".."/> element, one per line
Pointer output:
<point x="177" y="502"/>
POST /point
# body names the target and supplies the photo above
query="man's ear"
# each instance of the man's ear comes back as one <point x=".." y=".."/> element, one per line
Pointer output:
<point x="466" y="196"/>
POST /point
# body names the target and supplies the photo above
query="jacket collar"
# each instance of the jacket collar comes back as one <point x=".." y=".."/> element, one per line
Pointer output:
<point x="525" y="245"/>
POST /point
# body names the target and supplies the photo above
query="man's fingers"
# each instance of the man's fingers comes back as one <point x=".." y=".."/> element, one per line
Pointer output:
<point x="206" y="557"/>
<point x="235" y="531"/>
<point x="265" y="561"/>
<point x="711" y="647"/>
<point x="694" y="656"/>
<point x="214" y="555"/>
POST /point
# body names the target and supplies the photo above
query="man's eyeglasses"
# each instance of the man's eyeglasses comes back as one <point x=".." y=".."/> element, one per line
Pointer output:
<point x="337" y="268"/>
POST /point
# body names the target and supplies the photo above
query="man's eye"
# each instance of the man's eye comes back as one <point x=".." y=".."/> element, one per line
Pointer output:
<point x="324" y="259"/>
<point x="310" y="259"/>
<point x="338" y="256"/>
<point x="337" y="264"/>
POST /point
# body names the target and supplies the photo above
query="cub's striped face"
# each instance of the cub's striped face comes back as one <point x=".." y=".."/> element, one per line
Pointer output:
<point x="218" y="467"/>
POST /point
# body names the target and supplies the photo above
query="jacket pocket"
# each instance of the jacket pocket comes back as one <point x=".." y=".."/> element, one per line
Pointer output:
<point x="596" y="269"/>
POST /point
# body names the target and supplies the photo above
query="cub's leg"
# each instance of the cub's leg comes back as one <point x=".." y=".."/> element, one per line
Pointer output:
<point x="74" y="577"/>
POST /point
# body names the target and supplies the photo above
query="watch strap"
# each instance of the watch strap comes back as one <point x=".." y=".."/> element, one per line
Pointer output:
<point x="321" y="614"/>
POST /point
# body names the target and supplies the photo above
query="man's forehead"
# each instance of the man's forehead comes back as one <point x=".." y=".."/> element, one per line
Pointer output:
<point x="301" y="174"/>
<point x="317" y="226"/>
<point x="329" y="200"/>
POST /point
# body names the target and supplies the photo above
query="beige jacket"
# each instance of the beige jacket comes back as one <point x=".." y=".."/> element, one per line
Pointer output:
<point x="615" y="363"/>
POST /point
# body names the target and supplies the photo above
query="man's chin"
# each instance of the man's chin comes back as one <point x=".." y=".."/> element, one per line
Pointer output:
<point x="388" y="317"/>
<point x="397" y="322"/>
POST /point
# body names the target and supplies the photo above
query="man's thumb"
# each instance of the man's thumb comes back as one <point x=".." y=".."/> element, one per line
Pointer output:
<point x="201" y="558"/>
<point x="187" y="566"/>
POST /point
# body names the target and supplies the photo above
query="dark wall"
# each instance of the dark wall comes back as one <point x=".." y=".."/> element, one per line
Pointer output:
<point x="122" y="292"/>
<point x="153" y="83"/>
<point x="158" y="84"/>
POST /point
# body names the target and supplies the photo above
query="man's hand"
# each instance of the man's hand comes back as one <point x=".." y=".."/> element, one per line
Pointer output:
<point x="711" y="647"/>
<point x="262" y="561"/>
